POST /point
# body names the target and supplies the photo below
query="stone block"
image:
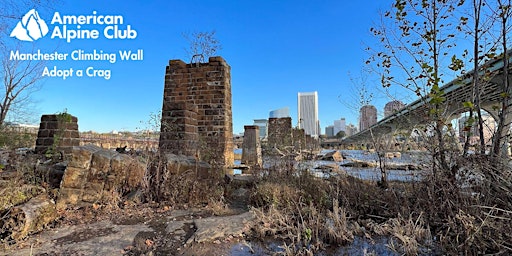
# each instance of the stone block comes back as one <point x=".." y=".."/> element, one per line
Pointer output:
<point x="118" y="164"/>
<point x="68" y="196"/>
<point x="82" y="155"/>
<point x="74" y="178"/>
<point x="92" y="192"/>
<point x="135" y="174"/>
<point x="100" y="161"/>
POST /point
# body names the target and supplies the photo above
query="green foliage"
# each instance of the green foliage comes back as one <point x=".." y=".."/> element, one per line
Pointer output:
<point x="341" y="134"/>
<point x="468" y="104"/>
<point x="64" y="117"/>
<point x="457" y="64"/>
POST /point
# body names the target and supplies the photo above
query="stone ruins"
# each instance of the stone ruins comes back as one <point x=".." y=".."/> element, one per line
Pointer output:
<point x="196" y="112"/>
<point x="57" y="133"/>
<point x="251" y="151"/>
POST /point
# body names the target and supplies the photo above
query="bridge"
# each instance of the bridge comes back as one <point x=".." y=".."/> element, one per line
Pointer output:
<point x="113" y="141"/>
<point x="456" y="92"/>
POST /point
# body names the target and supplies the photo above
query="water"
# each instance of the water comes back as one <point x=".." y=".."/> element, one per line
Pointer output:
<point x="415" y="158"/>
<point x="360" y="246"/>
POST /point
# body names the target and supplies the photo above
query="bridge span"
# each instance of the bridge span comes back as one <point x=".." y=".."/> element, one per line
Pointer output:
<point x="456" y="92"/>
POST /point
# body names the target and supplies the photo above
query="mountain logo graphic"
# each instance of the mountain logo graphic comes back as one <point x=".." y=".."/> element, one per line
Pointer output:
<point x="30" y="28"/>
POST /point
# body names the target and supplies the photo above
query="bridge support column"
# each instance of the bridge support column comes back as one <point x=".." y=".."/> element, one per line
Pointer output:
<point x="251" y="149"/>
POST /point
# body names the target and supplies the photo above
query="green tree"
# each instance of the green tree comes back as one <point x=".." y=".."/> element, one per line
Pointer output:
<point x="341" y="134"/>
<point x="413" y="38"/>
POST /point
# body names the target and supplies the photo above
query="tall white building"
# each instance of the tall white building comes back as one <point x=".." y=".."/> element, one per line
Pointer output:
<point x="308" y="113"/>
<point x="340" y="125"/>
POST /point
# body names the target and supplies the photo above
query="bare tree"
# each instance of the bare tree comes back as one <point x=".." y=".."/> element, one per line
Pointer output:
<point x="19" y="78"/>
<point x="202" y="45"/>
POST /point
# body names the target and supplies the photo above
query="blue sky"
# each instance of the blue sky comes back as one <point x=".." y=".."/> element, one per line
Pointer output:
<point x="275" y="49"/>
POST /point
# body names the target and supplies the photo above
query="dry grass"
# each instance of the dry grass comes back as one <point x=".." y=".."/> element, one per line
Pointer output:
<point x="436" y="215"/>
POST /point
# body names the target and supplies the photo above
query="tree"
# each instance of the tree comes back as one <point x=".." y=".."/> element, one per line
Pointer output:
<point x="340" y="135"/>
<point x="504" y="11"/>
<point x="202" y="45"/>
<point x="19" y="79"/>
<point x="414" y="37"/>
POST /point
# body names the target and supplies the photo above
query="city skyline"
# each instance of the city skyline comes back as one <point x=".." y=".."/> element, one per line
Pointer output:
<point x="311" y="58"/>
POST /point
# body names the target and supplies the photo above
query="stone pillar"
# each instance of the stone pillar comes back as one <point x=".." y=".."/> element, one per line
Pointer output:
<point x="299" y="139"/>
<point x="280" y="132"/>
<point x="251" y="149"/>
<point x="203" y="88"/>
<point x="179" y="129"/>
<point x="57" y="133"/>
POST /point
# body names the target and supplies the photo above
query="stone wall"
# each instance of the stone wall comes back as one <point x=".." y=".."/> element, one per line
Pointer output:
<point x="251" y="150"/>
<point x="96" y="175"/>
<point x="280" y="132"/>
<point x="299" y="139"/>
<point x="57" y="133"/>
<point x="196" y="112"/>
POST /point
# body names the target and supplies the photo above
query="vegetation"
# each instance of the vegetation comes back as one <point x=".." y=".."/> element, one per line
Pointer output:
<point x="462" y="206"/>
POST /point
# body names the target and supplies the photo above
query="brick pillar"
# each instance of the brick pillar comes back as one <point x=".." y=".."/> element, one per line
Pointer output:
<point x="179" y="129"/>
<point x="251" y="149"/>
<point x="280" y="132"/>
<point x="57" y="133"/>
<point x="203" y="88"/>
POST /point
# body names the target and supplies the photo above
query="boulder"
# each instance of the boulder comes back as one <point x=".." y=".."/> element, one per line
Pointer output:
<point x="332" y="156"/>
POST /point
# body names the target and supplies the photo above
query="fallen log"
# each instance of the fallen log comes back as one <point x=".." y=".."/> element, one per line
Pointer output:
<point x="27" y="218"/>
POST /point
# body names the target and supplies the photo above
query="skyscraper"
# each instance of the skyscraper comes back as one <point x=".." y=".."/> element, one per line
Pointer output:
<point x="351" y="130"/>
<point x="393" y="107"/>
<point x="329" y="131"/>
<point x="340" y="125"/>
<point x="263" y="124"/>
<point x="308" y="113"/>
<point x="367" y="117"/>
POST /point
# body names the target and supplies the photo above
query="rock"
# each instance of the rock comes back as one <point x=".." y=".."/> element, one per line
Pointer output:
<point x="178" y="164"/>
<point x="402" y="166"/>
<point x="96" y="175"/>
<point x="329" y="167"/>
<point x="393" y="155"/>
<point x="215" y="228"/>
<point x="359" y="163"/>
<point x="81" y="157"/>
<point x="332" y="156"/>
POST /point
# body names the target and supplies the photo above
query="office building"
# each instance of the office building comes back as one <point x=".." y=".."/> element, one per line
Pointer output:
<point x="263" y="124"/>
<point x="340" y="125"/>
<point x="280" y="113"/>
<point x="351" y="130"/>
<point x="329" y="131"/>
<point x="367" y="117"/>
<point x="308" y="113"/>
<point x="393" y="107"/>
